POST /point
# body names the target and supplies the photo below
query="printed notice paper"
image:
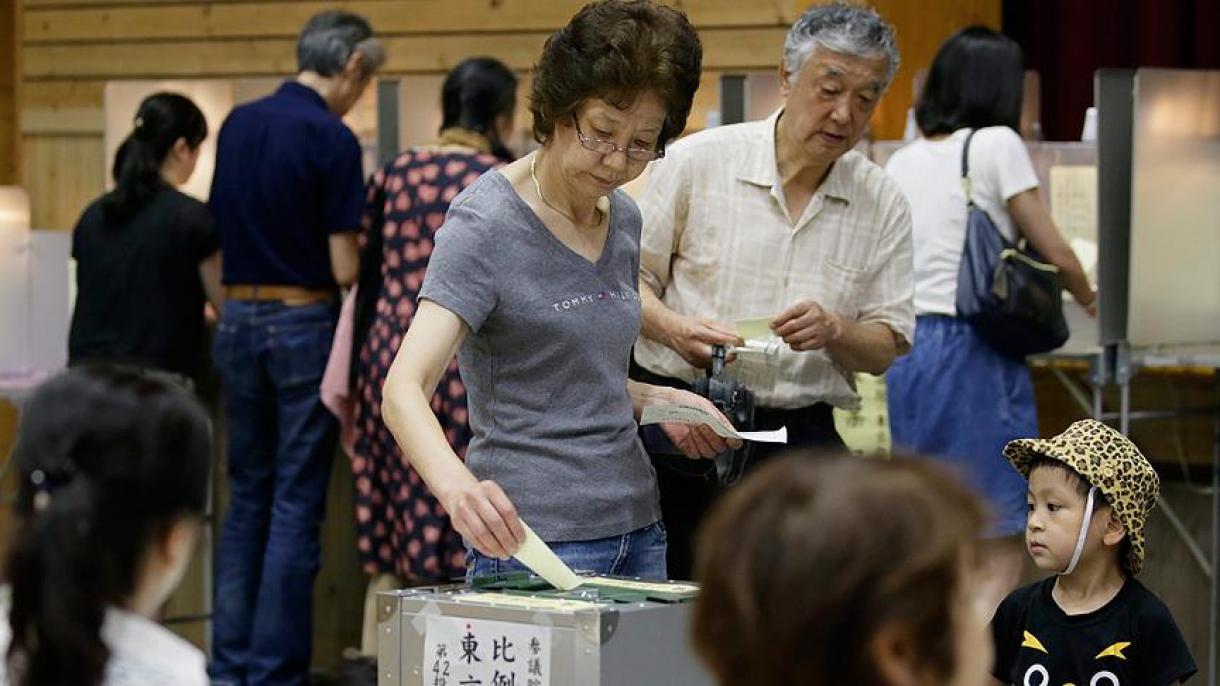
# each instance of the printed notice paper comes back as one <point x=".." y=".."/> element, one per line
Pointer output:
<point x="458" y="651"/>
<point x="684" y="414"/>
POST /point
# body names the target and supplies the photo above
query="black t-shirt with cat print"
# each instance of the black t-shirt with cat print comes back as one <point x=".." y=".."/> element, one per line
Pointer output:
<point x="1130" y="641"/>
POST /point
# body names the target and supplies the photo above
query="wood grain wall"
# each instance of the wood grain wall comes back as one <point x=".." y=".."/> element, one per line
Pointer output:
<point x="9" y="80"/>
<point x="70" y="48"/>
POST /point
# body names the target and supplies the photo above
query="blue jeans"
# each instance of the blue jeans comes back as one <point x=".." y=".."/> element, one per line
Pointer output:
<point x="639" y="553"/>
<point x="282" y="442"/>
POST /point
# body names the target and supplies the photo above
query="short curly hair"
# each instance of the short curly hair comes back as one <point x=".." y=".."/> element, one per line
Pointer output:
<point x="616" y="50"/>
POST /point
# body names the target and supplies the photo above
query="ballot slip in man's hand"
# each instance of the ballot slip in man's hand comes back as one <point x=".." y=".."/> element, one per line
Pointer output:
<point x="685" y="414"/>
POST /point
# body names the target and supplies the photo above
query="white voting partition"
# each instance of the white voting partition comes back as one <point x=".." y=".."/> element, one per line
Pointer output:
<point x="35" y="298"/>
<point x="14" y="281"/>
<point x="1175" y="209"/>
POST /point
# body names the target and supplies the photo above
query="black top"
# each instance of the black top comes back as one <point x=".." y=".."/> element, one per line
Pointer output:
<point x="1130" y="641"/>
<point x="139" y="296"/>
<point x="288" y="176"/>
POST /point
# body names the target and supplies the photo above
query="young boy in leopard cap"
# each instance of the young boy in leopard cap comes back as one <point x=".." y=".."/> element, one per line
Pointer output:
<point x="1090" y="492"/>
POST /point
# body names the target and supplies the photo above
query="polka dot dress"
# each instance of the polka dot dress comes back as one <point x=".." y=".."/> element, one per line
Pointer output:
<point x="401" y="528"/>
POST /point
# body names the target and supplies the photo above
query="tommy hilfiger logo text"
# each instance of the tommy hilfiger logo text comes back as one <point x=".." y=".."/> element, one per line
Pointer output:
<point x="592" y="298"/>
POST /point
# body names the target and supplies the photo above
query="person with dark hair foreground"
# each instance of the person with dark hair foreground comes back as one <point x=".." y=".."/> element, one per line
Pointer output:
<point x="147" y="255"/>
<point x="113" y="471"/>
<point x="842" y="570"/>
<point x="938" y="404"/>
<point x="533" y="282"/>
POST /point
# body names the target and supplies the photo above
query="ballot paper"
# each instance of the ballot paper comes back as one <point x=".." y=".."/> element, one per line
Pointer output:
<point x="754" y="328"/>
<point x="543" y="561"/>
<point x="530" y="602"/>
<point x="642" y="586"/>
<point x="685" y="414"/>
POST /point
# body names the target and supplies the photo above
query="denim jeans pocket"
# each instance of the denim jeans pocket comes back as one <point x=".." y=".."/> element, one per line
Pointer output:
<point x="299" y="351"/>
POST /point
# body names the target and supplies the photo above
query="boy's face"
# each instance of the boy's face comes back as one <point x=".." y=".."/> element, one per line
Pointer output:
<point x="1056" y="510"/>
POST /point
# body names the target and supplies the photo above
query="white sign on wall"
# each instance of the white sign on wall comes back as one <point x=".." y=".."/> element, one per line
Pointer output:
<point x="471" y="652"/>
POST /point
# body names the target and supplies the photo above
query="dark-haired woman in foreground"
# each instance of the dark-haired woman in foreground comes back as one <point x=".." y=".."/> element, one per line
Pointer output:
<point x="114" y="473"/>
<point x="147" y="255"/>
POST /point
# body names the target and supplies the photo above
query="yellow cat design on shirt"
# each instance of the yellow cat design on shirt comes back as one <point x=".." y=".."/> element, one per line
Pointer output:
<point x="1101" y="678"/>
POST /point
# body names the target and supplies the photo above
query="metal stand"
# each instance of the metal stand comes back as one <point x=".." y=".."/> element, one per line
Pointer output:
<point x="1127" y="365"/>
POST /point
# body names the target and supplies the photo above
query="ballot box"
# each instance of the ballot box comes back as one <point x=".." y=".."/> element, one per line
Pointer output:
<point x="517" y="630"/>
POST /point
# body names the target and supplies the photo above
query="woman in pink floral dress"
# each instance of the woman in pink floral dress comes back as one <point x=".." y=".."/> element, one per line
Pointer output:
<point x="402" y="529"/>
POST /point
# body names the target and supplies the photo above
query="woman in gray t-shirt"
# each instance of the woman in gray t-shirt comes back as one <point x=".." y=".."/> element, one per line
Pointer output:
<point x="533" y="282"/>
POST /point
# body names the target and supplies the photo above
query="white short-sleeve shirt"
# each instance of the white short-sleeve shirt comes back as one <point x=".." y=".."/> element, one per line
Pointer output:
<point x="142" y="652"/>
<point x="929" y="174"/>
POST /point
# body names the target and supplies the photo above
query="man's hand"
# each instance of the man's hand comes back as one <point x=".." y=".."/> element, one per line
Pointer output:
<point x="693" y="338"/>
<point x="805" y="325"/>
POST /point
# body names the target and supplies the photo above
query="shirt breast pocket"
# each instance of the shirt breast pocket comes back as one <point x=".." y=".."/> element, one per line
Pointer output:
<point x="843" y="287"/>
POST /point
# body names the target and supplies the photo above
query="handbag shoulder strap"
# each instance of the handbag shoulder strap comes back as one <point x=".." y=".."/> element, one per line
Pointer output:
<point x="966" y="183"/>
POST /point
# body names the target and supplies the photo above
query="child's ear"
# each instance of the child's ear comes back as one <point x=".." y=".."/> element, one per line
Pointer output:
<point x="896" y="655"/>
<point x="1115" y="532"/>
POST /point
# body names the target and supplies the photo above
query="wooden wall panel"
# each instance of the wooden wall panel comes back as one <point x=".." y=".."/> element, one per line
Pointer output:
<point x="920" y="32"/>
<point x="277" y="20"/>
<point x="10" y="82"/>
<point x="748" y="48"/>
<point x="63" y="173"/>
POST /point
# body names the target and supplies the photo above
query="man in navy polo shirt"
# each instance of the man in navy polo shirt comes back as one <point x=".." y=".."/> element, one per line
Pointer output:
<point x="287" y="196"/>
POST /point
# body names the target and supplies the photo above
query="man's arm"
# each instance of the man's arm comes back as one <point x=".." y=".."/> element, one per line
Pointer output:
<point x="855" y="346"/>
<point x="690" y="337"/>
<point x="664" y="207"/>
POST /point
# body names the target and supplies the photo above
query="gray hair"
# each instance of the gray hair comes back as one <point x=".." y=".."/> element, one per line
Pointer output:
<point x="330" y="38"/>
<point x="842" y="28"/>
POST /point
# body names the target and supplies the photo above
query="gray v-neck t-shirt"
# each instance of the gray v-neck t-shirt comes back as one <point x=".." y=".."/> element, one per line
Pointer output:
<point x="545" y="364"/>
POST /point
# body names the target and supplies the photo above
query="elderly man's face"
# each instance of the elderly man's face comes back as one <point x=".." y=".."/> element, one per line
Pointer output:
<point x="830" y="101"/>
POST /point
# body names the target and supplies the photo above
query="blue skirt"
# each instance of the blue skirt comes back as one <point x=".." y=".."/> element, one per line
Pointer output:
<point x="957" y="400"/>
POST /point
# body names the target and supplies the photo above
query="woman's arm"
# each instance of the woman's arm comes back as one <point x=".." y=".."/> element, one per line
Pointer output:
<point x="209" y="274"/>
<point x="1035" y="223"/>
<point x="480" y="510"/>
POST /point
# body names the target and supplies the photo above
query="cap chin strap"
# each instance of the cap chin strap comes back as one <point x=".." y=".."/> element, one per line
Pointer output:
<point x="1084" y="530"/>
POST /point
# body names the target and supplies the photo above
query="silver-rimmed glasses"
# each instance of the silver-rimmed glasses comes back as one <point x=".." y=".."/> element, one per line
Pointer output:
<point x="606" y="147"/>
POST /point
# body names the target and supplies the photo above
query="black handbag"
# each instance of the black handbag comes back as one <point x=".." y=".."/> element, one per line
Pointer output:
<point x="1012" y="297"/>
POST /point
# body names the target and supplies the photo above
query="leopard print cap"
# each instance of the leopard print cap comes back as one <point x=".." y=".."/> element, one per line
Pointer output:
<point x="1108" y="460"/>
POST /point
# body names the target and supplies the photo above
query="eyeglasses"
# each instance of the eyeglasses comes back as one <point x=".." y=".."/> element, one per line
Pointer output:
<point x="607" y="147"/>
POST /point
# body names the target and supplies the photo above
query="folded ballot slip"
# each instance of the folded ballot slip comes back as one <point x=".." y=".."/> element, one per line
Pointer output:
<point x="543" y="561"/>
<point x="754" y="328"/>
<point x="685" y="414"/>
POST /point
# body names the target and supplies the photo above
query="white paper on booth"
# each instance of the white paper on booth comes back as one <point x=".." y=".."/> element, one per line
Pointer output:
<point x="543" y="561"/>
<point x="685" y="414"/>
<point x="1073" y="191"/>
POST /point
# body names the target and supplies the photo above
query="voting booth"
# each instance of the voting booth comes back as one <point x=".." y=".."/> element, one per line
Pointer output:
<point x="517" y="630"/>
